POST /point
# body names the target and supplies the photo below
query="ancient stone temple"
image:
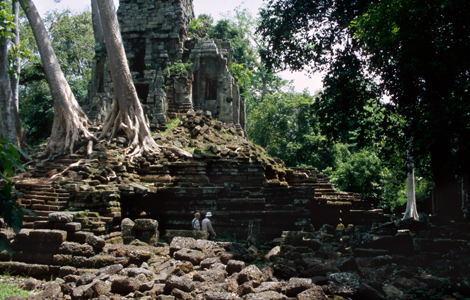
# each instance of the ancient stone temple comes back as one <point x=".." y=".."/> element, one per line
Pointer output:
<point x="251" y="195"/>
<point x="157" y="44"/>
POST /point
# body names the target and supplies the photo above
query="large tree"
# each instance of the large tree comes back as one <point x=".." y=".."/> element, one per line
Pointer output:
<point x="15" y="65"/>
<point x="420" y="52"/>
<point x="71" y="38"/>
<point x="10" y="124"/>
<point x="417" y="53"/>
<point x="127" y="113"/>
<point x="70" y="122"/>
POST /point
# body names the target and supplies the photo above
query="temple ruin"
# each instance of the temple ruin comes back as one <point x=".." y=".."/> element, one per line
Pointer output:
<point x="250" y="194"/>
<point x="100" y="218"/>
<point x="155" y="36"/>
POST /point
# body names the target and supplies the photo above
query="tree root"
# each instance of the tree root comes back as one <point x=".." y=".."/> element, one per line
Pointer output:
<point x="66" y="131"/>
<point x="138" y="134"/>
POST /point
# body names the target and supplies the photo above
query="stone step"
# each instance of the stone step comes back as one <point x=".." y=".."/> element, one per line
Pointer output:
<point x="28" y="218"/>
<point x="38" y="196"/>
<point x="32" y="201"/>
<point x="35" y="187"/>
<point x="28" y="225"/>
<point x="63" y="161"/>
<point x="61" y="203"/>
<point x="24" y="201"/>
<point x="43" y="193"/>
<point x="43" y="213"/>
<point x="367" y="252"/>
<point x="45" y="198"/>
<point x="326" y="191"/>
<point x="42" y="207"/>
<point x="339" y="203"/>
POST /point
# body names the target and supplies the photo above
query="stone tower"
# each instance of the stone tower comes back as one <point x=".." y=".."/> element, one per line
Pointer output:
<point x="155" y="34"/>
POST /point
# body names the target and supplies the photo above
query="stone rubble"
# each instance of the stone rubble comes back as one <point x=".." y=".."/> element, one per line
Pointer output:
<point x="317" y="265"/>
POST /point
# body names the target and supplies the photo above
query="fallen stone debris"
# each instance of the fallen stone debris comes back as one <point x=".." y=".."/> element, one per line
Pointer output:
<point x="393" y="260"/>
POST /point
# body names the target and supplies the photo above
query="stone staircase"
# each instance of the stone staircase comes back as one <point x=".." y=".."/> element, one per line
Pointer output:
<point x="48" y="168"/>
<point x="335" y="207"/>
<point x="42" y="197"/>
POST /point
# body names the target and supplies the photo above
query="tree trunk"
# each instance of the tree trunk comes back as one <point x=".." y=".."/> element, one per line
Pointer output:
<point x="69" y="119"/>
<point x="127" y="113"/>
<point x="447" y="186"/>
<point x="16" y="66"/>
<point x="411" y="207"/>
<point x="10" y="121"/>
<point x="97" y="28"/>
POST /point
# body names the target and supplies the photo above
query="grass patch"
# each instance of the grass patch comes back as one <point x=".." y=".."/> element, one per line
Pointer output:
<point x="172" y="124"/>
<point x="169" y="127"/>
<point x="7" y="290"/>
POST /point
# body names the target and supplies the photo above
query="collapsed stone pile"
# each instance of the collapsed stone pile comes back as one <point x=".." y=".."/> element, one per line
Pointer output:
<point x="51" y="244"/>
<point x="330" y="263"/>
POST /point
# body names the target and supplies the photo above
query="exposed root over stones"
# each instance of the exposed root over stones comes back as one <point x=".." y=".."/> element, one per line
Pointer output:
<point x="137" y="132"/>
<point x="69" y="126"/>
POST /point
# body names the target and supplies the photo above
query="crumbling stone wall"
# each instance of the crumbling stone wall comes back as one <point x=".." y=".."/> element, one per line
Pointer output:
<point x="55" y="243"/>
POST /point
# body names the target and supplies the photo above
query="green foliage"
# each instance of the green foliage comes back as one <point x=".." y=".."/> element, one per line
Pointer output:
<point x="179" y="68"/>
<point x="444" y="286"/>
<point x="287" y="28"/>
<point x="11" y="212"/>
<point x="419" y="52"/>
<point x="260" y="262"/>
<point x="10" y="159"/>
<point x="285" y="126"/>
<point x="227" y="237"/>
<point x="73" y="42"/>
<point x="242" y="74"/>
<point x="414" y="53"/>
<point x="359" y="172"/>
<point x="7" y="26"/>
<point x="422" y="188"/>
<point x="36" y="111"/>
<point x="200" y="26"/>
<point x="7" y="290"/>
<point x="172" y="124"/>
<point x="238" y="29"/>
<point x="6" y="21"/>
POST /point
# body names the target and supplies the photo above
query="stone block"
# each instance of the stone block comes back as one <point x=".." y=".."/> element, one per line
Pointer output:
<point x="139" y="189"/>
<point x="21" y="256"/>
<point x="40" y="235"/>
<point x="62" y="259"/>
<point x="83" y="262"/>
<point x="145" y="224"/>
<point x="72" y="187"/>
<point x="56" y="236"/>
<point x="62" y="217"/>
<point x="47" y="247"/>
<point x="79" y="237"/>
<point x="198" y="235"/>
<point x="69" y="227"/>
<point x="95" y="241"/>
<point x="43" y="225"/>
<point x="76" y="249"/>
<point x="18" y="268"/>
<point x="23" y="236"/>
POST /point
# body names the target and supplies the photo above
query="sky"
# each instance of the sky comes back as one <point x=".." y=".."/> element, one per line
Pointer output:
<point x="210" y="7"/>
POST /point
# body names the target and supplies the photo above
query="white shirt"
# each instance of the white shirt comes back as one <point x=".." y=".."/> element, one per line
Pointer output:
<point x="207" y="226"/>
